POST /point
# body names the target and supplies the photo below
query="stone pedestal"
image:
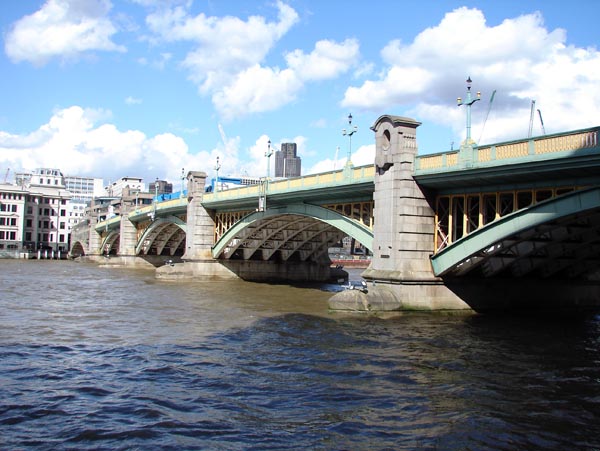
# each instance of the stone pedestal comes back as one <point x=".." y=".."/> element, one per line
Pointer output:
<point x="200" y="226"/>
<point x="94" y="240"/>
<point x="400" y="275"/>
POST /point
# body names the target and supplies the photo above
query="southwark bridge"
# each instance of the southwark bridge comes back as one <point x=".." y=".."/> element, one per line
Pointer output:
<point x="507" y="226"/>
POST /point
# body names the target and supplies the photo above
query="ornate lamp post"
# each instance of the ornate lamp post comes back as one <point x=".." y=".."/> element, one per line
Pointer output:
<point x="268" y="154"/>
<point x="465" y="154"/>
<point x="351" y="131"/>
<point x="153" y="214"/>
<point x="468" y="102"/>
<point x="217" y="167"/>
<point x="182" y="179"/>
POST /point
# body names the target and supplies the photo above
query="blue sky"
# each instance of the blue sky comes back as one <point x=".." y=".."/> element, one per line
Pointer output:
<point x="148" y="87"/>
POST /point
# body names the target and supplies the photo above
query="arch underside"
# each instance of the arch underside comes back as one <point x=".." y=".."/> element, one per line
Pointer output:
<point x="110" y="244"/>
<point x="293" y="233"/>
<point x="165" y="236"/>
<point x="556" y="238"/>
<point x="77" y="249"/>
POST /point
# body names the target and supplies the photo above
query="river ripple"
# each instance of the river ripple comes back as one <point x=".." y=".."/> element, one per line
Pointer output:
<point x="102" y="359"/>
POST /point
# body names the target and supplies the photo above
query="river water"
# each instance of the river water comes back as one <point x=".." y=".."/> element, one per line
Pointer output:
<point x="98" y="358"/>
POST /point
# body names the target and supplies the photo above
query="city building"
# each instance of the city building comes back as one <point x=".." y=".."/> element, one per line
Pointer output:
<point x="287" y="163"/>
<point x="160" y="187"/>
<point x="115" y="189"/>
<point x="84" y="188"/>
<point x="12" y="211"/>
<point x="83" y="191"/>
<point x="45" y="212"/>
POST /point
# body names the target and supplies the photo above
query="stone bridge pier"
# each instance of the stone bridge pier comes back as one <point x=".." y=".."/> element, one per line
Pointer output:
<point x="400" y="276"/>
<point x="198" y="261"/>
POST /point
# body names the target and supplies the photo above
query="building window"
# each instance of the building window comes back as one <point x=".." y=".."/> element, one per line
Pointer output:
<point x="13" y="235"/>
<point x="61" y="238"/>
<point x="62" y="225"/>
<point x="29" y="223"/>
<point x="13" y="208"/>
<point x="13" y="221"/>
<point x="63" y="212"/>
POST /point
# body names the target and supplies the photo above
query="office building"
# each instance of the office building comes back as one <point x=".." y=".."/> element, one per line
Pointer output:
<point x="287" y="163"/>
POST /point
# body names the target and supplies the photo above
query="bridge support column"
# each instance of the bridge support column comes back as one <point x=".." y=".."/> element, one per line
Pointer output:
<point x="128" y="237"/>
<point x="198" y="261"/>
<point x="127" y="240"/>
<point x="400" y="275"/>
<point x="94" y="238"/>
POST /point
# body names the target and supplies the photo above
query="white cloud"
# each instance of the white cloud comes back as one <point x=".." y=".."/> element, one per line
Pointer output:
<point x="79" y="142"/>
<point x="519" y="58"/>
<point x="129" y="100"/>
<point x="227" y="61"/>
<point x="255" y="90"/>
<point x="364" y="155"/>
<point x="326" y="61"/>
<point x="63" y="29"/>
<point x="225" y="46"/>
<point x="258" y="89"/>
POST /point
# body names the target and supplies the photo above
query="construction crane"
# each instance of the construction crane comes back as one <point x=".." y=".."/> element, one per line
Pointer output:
<point x="6" y="175"/>
<point x="542" y="122"/>
<point x="486" y="116"/>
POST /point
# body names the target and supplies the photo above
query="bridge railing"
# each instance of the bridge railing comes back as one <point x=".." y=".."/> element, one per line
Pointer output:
<point x="548" y="146"/>
<point x="109" y="223"/>
<point x="332" y="178"/>
<point x="136" y="215"/>
<point x="166" y="206"/>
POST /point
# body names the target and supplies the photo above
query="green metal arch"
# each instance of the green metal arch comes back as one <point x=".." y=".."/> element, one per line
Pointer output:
<point x="347" y="225"/>
<point x="109" y="238"/>
<point x="567" y="205"/>
<point x="160" y="221"/>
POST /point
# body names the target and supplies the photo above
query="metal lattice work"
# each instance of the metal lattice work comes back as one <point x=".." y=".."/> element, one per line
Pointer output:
<point x="225" y="220"/>
<point x="555" y="239"/>
<point x="164" y="236"/>
<point x="459" y="215"/>
<point x="283" y="238"/>
<point x="298" y="232"/>
<point x="359" y="211"/>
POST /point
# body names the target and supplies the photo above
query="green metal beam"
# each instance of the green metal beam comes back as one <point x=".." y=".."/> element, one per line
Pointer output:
<point x="577" y="202"/>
